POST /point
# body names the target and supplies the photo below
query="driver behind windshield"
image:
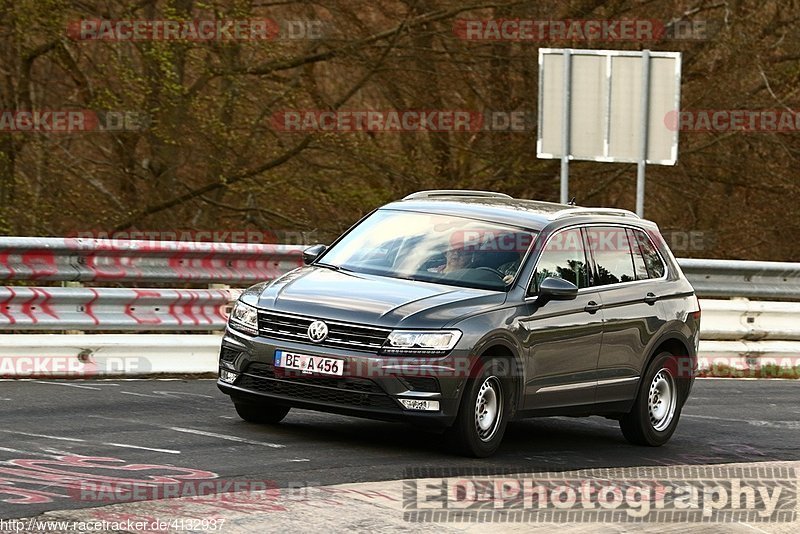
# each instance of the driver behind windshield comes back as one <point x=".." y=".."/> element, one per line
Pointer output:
<point x="459" y="258"/>
<point x="455" y="259"/>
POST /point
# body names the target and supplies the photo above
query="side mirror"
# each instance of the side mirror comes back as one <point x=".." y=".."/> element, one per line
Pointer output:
<point x="552" y="288"/>
<point x="312" y="253"/>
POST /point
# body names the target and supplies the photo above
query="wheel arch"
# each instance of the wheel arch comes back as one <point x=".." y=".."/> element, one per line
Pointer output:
<point x="678" y="346"/>
<point x="501" y="347"/>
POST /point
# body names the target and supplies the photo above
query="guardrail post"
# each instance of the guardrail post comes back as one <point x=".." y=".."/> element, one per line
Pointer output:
<point x="224" y="287"/>
<point x="73" y="284"/>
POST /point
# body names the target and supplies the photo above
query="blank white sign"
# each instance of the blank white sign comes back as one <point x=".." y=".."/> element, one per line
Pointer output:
<point x="606" y="122"/>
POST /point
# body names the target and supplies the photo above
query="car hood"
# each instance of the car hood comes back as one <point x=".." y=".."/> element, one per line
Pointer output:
<point x="371" y="300"/>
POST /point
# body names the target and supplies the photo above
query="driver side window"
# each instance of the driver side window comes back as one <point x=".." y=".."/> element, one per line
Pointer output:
<point x="563" y="257"/>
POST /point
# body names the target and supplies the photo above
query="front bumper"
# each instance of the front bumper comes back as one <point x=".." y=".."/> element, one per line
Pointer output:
<point x="371" y="386"/>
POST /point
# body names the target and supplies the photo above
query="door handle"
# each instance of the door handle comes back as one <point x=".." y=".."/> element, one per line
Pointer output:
<point x="650" y="298"/>
<point x="592" y="307"/>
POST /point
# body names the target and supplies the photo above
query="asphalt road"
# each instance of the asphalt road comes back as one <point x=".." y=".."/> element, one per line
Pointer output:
<point x="144" y="428"/>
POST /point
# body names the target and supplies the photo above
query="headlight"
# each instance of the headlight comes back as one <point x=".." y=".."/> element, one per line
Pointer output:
<point x="244" y="318"/>
<point x="421" y="342"/>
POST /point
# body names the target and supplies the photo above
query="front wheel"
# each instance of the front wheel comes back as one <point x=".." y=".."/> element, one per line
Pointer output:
<point x="483" y="415"/>
<point x="260" y="413"/>
<point x="655" y="414"/>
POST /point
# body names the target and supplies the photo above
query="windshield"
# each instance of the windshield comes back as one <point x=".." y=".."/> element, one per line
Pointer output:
<point x="433" y="248"/>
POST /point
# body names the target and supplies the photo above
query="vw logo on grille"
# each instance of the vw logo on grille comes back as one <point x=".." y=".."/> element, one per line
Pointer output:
<point x="317" y="331"/>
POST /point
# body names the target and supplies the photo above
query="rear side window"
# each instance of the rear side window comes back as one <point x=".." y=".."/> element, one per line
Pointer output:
<point x="655" y="267"/>
<point x="612" y="255"/>
<point x="564" y="257"/>
<point x="639" y="264"/>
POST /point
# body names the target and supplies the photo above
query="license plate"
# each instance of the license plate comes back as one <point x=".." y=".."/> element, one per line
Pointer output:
<point x="309" y="364"/>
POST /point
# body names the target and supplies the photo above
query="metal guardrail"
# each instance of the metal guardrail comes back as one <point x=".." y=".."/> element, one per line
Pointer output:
<point x="178" y="262"/>
<point x="748" y="279"/>
<point x="57" y="259"/>
<point x="750" y="320"/>
<point x="83" y="308"/>
<point x="112" y="260"/>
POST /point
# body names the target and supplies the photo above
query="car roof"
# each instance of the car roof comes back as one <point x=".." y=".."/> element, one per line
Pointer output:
<point x="503" y="209"/>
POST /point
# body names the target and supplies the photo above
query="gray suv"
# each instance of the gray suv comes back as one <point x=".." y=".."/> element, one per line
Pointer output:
<point x="462" y="310"/>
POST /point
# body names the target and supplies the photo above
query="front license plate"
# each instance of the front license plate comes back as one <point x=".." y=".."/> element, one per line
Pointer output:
<point x="309" y="364"/>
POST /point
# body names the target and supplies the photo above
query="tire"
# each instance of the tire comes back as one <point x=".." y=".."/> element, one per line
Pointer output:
<point x="260" y="413"/>
<point x="483" y="414"/>
<point x="655" y="414"/>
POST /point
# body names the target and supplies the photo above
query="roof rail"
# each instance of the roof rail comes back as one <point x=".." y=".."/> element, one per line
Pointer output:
<point x="455" y="193"/>
<point x="594" y="211"/>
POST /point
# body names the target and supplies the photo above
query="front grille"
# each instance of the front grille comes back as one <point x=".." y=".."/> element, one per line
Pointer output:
<point x="355" y="392"/>
<point x="340" y="335"/>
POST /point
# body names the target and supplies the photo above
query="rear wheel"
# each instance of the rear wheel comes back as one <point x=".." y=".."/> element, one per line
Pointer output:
<point x="260" y="413"/>
<point x="655" y="414"/>
<point x="483" y="415"/>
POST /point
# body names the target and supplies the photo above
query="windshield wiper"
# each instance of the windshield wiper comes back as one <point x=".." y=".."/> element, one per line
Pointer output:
<point x="336" y="268"/>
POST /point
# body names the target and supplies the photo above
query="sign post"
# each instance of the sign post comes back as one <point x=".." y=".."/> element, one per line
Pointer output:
<point x="642" y="163"/>
<point x="565" y="133"/>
